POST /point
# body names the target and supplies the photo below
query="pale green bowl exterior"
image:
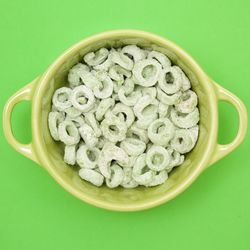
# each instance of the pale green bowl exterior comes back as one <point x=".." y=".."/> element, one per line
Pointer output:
<point x="49" y="154"/>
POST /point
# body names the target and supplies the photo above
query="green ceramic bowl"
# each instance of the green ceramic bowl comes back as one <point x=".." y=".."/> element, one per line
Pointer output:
<point x="44" y="151"/>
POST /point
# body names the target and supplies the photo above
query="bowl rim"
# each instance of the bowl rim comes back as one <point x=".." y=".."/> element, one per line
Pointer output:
<point x="39" y="146"/>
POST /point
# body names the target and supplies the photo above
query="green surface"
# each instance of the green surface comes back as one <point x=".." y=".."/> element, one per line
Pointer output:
<point x="36" y="213"/>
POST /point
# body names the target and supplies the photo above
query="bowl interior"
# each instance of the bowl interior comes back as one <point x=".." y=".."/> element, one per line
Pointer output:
<point x="120" y="198"/>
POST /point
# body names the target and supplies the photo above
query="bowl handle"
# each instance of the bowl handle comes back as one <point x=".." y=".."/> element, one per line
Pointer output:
<point x="222" y="150"/>
<point x="23" y="94"/>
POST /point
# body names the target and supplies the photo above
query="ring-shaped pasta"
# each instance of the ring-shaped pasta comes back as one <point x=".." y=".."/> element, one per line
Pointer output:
<point x="129" y="99"/>
<point x="76" y="73"/>
<point x="163" y="110"/>
<point x="103" y="107"/>
<point x="137" y="133"/>
<point x="78" y="121"/>
<point x="158" y="179"/>
<point x="146" y="72"/>
<point x="157" y="158"/>
<point x="161" y="58"/>
<point x="91" y="176"/>
<point x="116" y="177"/>
<point x="170" y="81"/>
<point x="185" y="120"/>
<point x="129" y="117"/>
<point x="183" y="141"/>
<point x="168" y="99"/>
<point x="130" y="163"/>
<point x="87" y="157"/>
<point x="134" y="51"/>
<point x="96" y="58"/>
<point x="109" y="153"/>
<point x="187" y="103"/>
<point x="68" y="133"/>
<point x="146" y="107"/>
<point x="133" y="147"/>
<point x="70" y="154"/>
<point x="72" y="112"/>
<point x="176" y="159"/>
<point x="78" y="93"/>
<point x="104" y="90"/>
<point x="128" y="181"/>
<point x="141" y="173"/>
<point x="117" y="73"/>
<point x="88" y="135"/>
<point x="161" y="131"/>
<point x="185" y="81"/>
<point x="93" y="123"/>
<point x="113" y="128"/>
<point x="61" y="98"/>
<point x="55" y="118"/>
<point x="105" y="65"/>
<point x="122" y="60"/>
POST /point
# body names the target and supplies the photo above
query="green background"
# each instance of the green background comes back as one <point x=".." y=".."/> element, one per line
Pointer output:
<point x="36" y="213"/>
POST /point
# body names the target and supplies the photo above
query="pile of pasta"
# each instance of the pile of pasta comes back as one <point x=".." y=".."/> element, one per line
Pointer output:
<point x="126" y="118"/>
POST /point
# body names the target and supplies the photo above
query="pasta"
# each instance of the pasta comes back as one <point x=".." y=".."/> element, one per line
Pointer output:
<point x="127" y="117"/>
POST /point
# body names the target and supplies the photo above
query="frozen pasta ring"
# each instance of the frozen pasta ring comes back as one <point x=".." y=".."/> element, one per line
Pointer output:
<point x="157" y="158"/>
<point x="141" y="173"/>
<point x="129" y="99"/>
<point x="76" y="73"/>
<point x="183" y="141"/>
<point x="134" y="52"/>
<point x="116" y="177"/>
<point x="128" y="181"/>
<point x="68" y="133"/>
<point x="61" y="98"/>
<point x="160" y="57"/>
<point x="163" y="110"/>
<point x="70" y="154"/>
<point x="133" y="146"/>
<point x="93" y="123"/>
<point x="170" y="80"/>
<point x="96" y="58"/>
<point x="128" y="86"/>
<point x="146" y="107"/>
<point x="117" y="73"/>
<point x="122" y="60"/>
<point x="185" y="81"/>
<point x="55" y="118"/>
<point x="103" y="107"/>
<point x="88" y="135"/>
<point x="78" y="121"/>
<point x="158" y="179"/>
<point x="146" y="72"/>
<point x="82" y="98"/>
<point x="130" y="163"/>
<point x="113" y="128"/>
<point x="109" y="153"/>
<point x="185" y="120"/>
<point x="105" y="89"/>
<point x="138" y="133"/>
<point x="91" y="176"/>
<point x="72" y="112"/>
<point x="87" y="157"/>
<point x="125" y="113"/>
<point x="187" y="103"/>
<point x="168" y="99"/>
<point x="176" y="158"/>
<point x="161" y="131"/>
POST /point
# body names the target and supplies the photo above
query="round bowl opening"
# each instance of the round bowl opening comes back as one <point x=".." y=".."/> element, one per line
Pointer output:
<point x="50" y="153"/>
